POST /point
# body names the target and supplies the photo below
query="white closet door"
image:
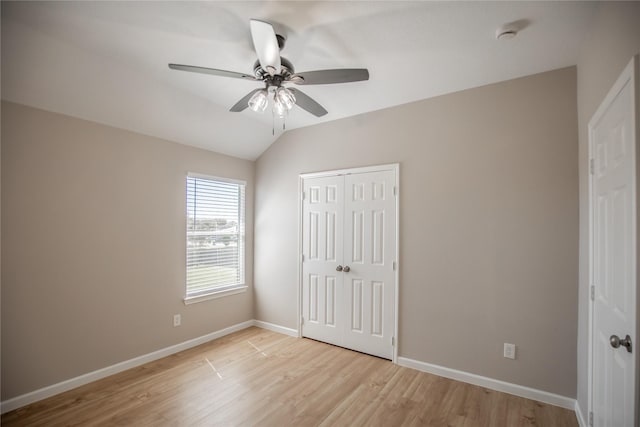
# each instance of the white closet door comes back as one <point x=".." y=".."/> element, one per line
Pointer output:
<point x="323" y="211"/>
<point x="369" y="252"/>
<point x="348" y="277"/>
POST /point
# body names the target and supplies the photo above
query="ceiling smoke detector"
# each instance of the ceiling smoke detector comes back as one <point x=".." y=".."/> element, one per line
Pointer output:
<point x="506" y="32"/>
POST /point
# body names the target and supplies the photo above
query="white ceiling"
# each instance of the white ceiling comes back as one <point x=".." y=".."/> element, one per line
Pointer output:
<point x="107" y="61"/>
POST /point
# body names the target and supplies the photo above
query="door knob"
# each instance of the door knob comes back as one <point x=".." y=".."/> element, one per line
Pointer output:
<point x="346" y="269"/>
<point x="339" y="268"/>
<point x="616" y="342"/>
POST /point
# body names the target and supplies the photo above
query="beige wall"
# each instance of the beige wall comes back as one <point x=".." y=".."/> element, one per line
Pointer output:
<point x="613" y="40"/>
<point x="488" y="223"/>
<point x="93" y="247"/>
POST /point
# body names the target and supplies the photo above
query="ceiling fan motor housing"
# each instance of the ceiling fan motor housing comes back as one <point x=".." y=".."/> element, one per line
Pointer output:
<point x="286" y="70"/>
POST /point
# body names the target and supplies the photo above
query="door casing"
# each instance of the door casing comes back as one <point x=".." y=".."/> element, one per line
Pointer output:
<point x="395" y="167"/>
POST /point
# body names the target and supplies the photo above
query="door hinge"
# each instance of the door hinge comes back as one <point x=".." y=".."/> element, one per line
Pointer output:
<point x="395" y="190"/>
<point x="591" y="419"/>
<point x="593" y="292"/>
<point x="592" y="166"/>
<point x="393" y="341"/>
<point x="301" y="320"/>
<point x="303" y="195"/>
<point x="394" y="266"/>
<point x="301" y="257"/>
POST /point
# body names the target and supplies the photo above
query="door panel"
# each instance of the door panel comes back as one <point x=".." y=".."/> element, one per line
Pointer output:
<point x="377" y="310"/>
<point x="330" y="301"/>
<point x="613" y="264"/>
<point x="356" y="304"/>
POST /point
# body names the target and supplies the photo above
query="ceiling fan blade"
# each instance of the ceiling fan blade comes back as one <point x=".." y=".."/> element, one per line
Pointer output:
<point x="323" y="77"/>
<point x="244" y="102"/>
<point x="265" y="43"/>
<point x="212" y="71"/>
<point x="307" y="103"/>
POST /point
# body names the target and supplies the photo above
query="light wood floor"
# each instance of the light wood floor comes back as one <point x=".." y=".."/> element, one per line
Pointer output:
<point x="258" y="377"/>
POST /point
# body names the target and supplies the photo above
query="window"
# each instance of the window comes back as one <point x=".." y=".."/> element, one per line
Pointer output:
<point x="215" y="237"/>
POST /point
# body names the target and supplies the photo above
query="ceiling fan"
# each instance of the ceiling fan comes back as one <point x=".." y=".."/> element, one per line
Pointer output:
<point x="275" y="71"/>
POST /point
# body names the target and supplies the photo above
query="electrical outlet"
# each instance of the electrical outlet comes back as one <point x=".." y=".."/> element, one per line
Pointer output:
<point x="509" y="351"/>
<point x="177" y="320"/>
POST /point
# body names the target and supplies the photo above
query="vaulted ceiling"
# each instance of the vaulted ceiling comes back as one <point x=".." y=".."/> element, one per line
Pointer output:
<point x="107" y="61"/>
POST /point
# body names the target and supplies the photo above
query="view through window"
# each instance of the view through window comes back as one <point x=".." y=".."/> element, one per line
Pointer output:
<point x="215" y="235"/>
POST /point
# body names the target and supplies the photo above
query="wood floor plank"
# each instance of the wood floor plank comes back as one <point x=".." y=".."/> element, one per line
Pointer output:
<point x="258" y="377"/>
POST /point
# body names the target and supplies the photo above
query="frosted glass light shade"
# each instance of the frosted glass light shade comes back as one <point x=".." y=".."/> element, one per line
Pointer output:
<point x="279" y="108"/>
<point x="285" y="97"/>
<point x="258" y="102"/>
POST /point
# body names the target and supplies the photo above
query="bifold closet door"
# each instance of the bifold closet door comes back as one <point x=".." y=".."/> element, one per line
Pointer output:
<point x="348" y="277"/>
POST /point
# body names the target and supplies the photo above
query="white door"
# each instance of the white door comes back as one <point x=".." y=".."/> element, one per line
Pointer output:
<point x="369" y="253"/>
<point x="613" y="237"/>
<point x="323" y="210"/>
<point x="349" y="253"/>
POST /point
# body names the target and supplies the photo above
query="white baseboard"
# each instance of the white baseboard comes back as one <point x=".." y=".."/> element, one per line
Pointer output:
<point x="490" y="383"/>
<point x="43" y="393"/>
<point x="581" y="421"/>
<point x="276" y="328"/>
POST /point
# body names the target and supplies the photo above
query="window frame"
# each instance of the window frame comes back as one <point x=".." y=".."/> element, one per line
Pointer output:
<point x="224" y="290"/>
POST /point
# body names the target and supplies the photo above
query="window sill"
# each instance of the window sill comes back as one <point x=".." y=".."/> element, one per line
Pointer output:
<point x="215" y="295"/>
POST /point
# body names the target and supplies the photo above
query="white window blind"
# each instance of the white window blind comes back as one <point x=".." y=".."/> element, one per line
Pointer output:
<point x="215" y="235"/>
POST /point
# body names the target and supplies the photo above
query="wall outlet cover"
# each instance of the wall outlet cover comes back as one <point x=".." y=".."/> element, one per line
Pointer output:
<point x="509" y="351"/>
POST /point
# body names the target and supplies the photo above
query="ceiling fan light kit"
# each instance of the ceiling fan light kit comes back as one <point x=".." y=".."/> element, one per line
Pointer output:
<point x="274" y="72"/>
